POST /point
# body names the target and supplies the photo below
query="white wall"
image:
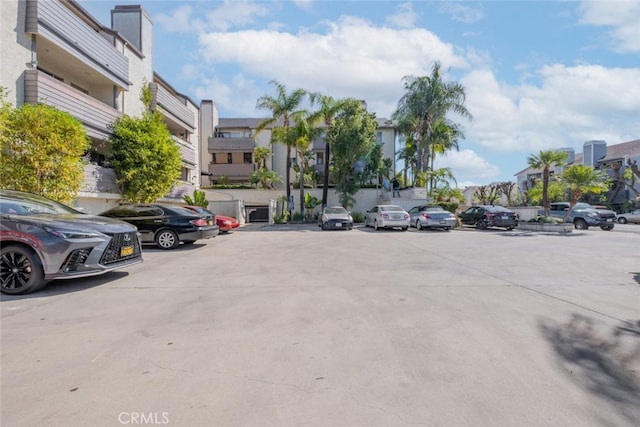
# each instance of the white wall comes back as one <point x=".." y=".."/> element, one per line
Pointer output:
<point x="15" y="49"/>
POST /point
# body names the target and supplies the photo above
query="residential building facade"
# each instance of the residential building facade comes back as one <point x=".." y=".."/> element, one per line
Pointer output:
<point x="56" y="53"/>
<point x="597" y="154"/>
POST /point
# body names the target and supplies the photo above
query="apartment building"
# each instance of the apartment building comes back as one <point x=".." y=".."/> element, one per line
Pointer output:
<point x="54" y="52"/>
<point x="230" y="149"/>
<point x="597" y="154"/>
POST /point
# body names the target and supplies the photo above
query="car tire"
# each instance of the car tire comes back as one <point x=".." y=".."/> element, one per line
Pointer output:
<point x="21" y="270"/>
<point x="418" y="225"/>
<point x="509" y="228"/>
<point x="405" y="228"/>
<point x="580" y="224"/>
<point x="375" y="225"/>
<point x="324" y="226"/>
<point x="167" y="239"/>
<point x="447" y="228"/>
<point x="622" y="220"/>
<point x="481" y="224"/>
<point x="607" y="227"/>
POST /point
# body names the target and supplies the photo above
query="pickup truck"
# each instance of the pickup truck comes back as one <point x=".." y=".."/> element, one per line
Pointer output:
<point x="584" y="215"/>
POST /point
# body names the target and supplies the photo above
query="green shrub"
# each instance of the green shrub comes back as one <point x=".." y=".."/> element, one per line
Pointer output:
<point x="358" y="217"/>
<point x="298" y="217"/>
<point x="547" y="219"/>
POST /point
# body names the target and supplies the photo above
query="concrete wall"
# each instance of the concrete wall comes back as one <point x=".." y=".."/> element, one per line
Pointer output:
<point x="15" y="49"/>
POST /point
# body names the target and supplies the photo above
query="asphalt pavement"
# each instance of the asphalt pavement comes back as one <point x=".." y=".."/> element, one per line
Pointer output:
<point x="288" y="325"/>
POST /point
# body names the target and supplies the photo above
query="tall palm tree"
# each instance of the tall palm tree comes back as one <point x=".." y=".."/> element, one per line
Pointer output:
<point x="427" y="101"/>
<point x="581" y="179"/>
<point x="444" y="138"/>
<point x="544" y="161"/>
<point x="306" y="128"/>
<point x="282" y="107"/>
<point x="327" y="110"/>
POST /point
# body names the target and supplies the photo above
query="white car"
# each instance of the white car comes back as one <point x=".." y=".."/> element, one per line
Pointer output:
<point x="387" y="216"/>
<point x="335" y="217"/>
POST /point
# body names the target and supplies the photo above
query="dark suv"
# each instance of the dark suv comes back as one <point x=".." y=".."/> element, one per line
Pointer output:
<point x="584" y="215"/>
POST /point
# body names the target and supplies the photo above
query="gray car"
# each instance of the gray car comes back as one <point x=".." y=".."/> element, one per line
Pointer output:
<point x="633" y="217"/>
<point x="336" y="218"/>
<point x="387" y="216"/>
<point x="426" y="216"/>
<point x="43" y="240"/>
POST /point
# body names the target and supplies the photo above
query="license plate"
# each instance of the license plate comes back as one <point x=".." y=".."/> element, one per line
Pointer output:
<point x="505" y="217"/>
<point x="210" y="222"/>
<point x="609" y="220"/>
<point x="126" y="250"/>
<point x="443" y="222"/>
<point x="338" y="224"/>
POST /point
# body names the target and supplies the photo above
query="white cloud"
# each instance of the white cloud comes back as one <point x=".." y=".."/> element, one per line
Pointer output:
<point x="468" y="167"/>
<point x="622" y="16"/>
<point x="405" y="17"/>
<point x="462" y="12"/>
<point x="227" y="15"/>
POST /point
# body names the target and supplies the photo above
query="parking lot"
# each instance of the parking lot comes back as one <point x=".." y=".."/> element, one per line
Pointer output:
<point x="288" y="325"/>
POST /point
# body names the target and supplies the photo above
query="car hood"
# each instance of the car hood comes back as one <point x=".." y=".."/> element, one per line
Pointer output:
<point x="338" y="216"/>
<point x="81" y="222"/>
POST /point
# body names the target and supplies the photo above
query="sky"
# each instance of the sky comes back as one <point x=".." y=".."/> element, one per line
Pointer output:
<point x="537" y="75"/>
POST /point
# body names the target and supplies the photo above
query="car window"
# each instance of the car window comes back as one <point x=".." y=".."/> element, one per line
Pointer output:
<point x="147" y="211"/>
<point x="33" y="204"/>
<point x="494" y="209"/>
<point x="336" y="210"/>
<point x="414" y="209"/>
<point x="390" y="208"/>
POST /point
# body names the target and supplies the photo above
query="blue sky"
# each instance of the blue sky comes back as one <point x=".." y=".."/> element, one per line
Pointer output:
<point x="537" y="74"/>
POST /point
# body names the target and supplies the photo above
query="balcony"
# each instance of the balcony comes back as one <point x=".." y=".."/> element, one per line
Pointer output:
<point x="187" y="152"/>
<point x="55" y="22"/>
<point x="94" y="114"/>
<point x="233" y="171"/>
<point x="172" y="107"/>
<point x="228" y="145"/>
<point x="98" y="179"/>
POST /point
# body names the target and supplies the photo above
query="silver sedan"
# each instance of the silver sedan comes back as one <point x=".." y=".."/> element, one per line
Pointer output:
<point x="633" y="216"/>
<point x="387" y="216"/>
<point x="431" y="217"/>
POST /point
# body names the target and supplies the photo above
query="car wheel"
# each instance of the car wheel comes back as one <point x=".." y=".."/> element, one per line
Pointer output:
<point x="20" y="270"/>
<point x="622" y="220"/>
<point x="607" y="227"/>
<point x="324" y="226"/>
<point x="447" y="228"/>
<point x="418" y="225"/>
<point x="509" y="228"/>
<point x="375" y="224"/>
<point x="405" y="228"/>
<point x="481" y="224"/>
<point x="167" y="239"/>
<point x="581" y="224"/>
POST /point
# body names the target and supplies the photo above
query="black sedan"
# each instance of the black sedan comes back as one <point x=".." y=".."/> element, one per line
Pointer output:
<point x="489" y="216"/>
<point x="43" y="240"/>
<point x="166" y="225"/>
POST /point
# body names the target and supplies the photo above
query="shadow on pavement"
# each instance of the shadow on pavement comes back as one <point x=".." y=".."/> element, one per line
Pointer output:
<point x="605" y="362"/>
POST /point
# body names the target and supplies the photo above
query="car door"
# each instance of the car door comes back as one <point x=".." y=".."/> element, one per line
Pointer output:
<point x="414" y="213"/>
<point x="468" y="216"/>
<point x="148" y="219"/>
<point x="371" y="215"/>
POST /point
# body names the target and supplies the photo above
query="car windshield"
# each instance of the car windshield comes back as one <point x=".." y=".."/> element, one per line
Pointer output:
<point x="583" y="206"/>
<point x="433" y="208"/>
<point x="391" y="208"/>
<point x="32" y="204"/>
<point x="336" y="210"/>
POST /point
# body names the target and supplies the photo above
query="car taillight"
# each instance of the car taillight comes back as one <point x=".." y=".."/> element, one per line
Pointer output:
<point x="425" y="216"/>
<point x="385" y="216"/>
<point x="201" y="222"/>
<point x="405" y="216"/>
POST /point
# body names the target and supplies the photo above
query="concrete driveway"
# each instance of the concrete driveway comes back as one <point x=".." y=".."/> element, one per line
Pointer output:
<point x="293" y="326"/>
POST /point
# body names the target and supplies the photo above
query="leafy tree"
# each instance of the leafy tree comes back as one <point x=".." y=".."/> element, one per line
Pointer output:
<point x="545" y="160"/>
<point x="328" y="108"/>
<point x="263" y="175"/>
<point x="310" y="203"/>
<point x="581" y="179"/>
<point x="425" y="105"/>
<point x="282" y="106"/>
<point x="41" y="150"/>
<point x="199" y="198"/>
<point x="145" y="159"/>
<point x="555" y="192"/>
<point x="352" y="138"/>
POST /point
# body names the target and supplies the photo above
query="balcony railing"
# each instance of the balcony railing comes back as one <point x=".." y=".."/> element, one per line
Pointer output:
<point x="172" y="106"/>
<point x="54" y="21"/>
<point x="233" y="171"/>
<point x="187" y="152"/>
<point x="98" y="179"/>
<point x="227" y="145"/>
<point x="94" y="114"/>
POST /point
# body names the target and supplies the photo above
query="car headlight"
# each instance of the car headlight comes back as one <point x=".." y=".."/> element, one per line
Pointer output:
<point x="593" y="214"/>
<point x="73" y="234"/>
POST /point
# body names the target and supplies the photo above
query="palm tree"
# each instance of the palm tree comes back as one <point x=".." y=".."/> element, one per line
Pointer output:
<point x="304" y="131"/>
<point x="545" y="160"/>
<point x="328" y="108"/>
<point x="282" y="107"/>
<point x="427" y="101"/>
<point x="581" y="179"/>
<point x="444" y="138"/>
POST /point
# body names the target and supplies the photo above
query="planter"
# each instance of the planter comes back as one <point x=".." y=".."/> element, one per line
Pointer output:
<point x="546" y="227"/>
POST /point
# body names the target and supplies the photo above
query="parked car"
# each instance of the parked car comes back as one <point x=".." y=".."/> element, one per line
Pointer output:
<point x="43" y="240"/>
<point x="225" y="223"/>
<point x="387" y="216"/>
<point x="166" y="225"/>
<point x="584" y="215"/>
<point x="485" y="216"/>
<point x="335" y="217"/>
<point x="426" y="216"/>
<point x="633" y="216"/>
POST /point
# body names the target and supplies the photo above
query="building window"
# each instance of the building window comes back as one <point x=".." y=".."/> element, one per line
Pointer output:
<point x="229" y="158"/>
<point x="319" y="158"/>
<point x="213" y="158"/>
<point x="379" y="137"/>
<point x="247" y="158"/>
